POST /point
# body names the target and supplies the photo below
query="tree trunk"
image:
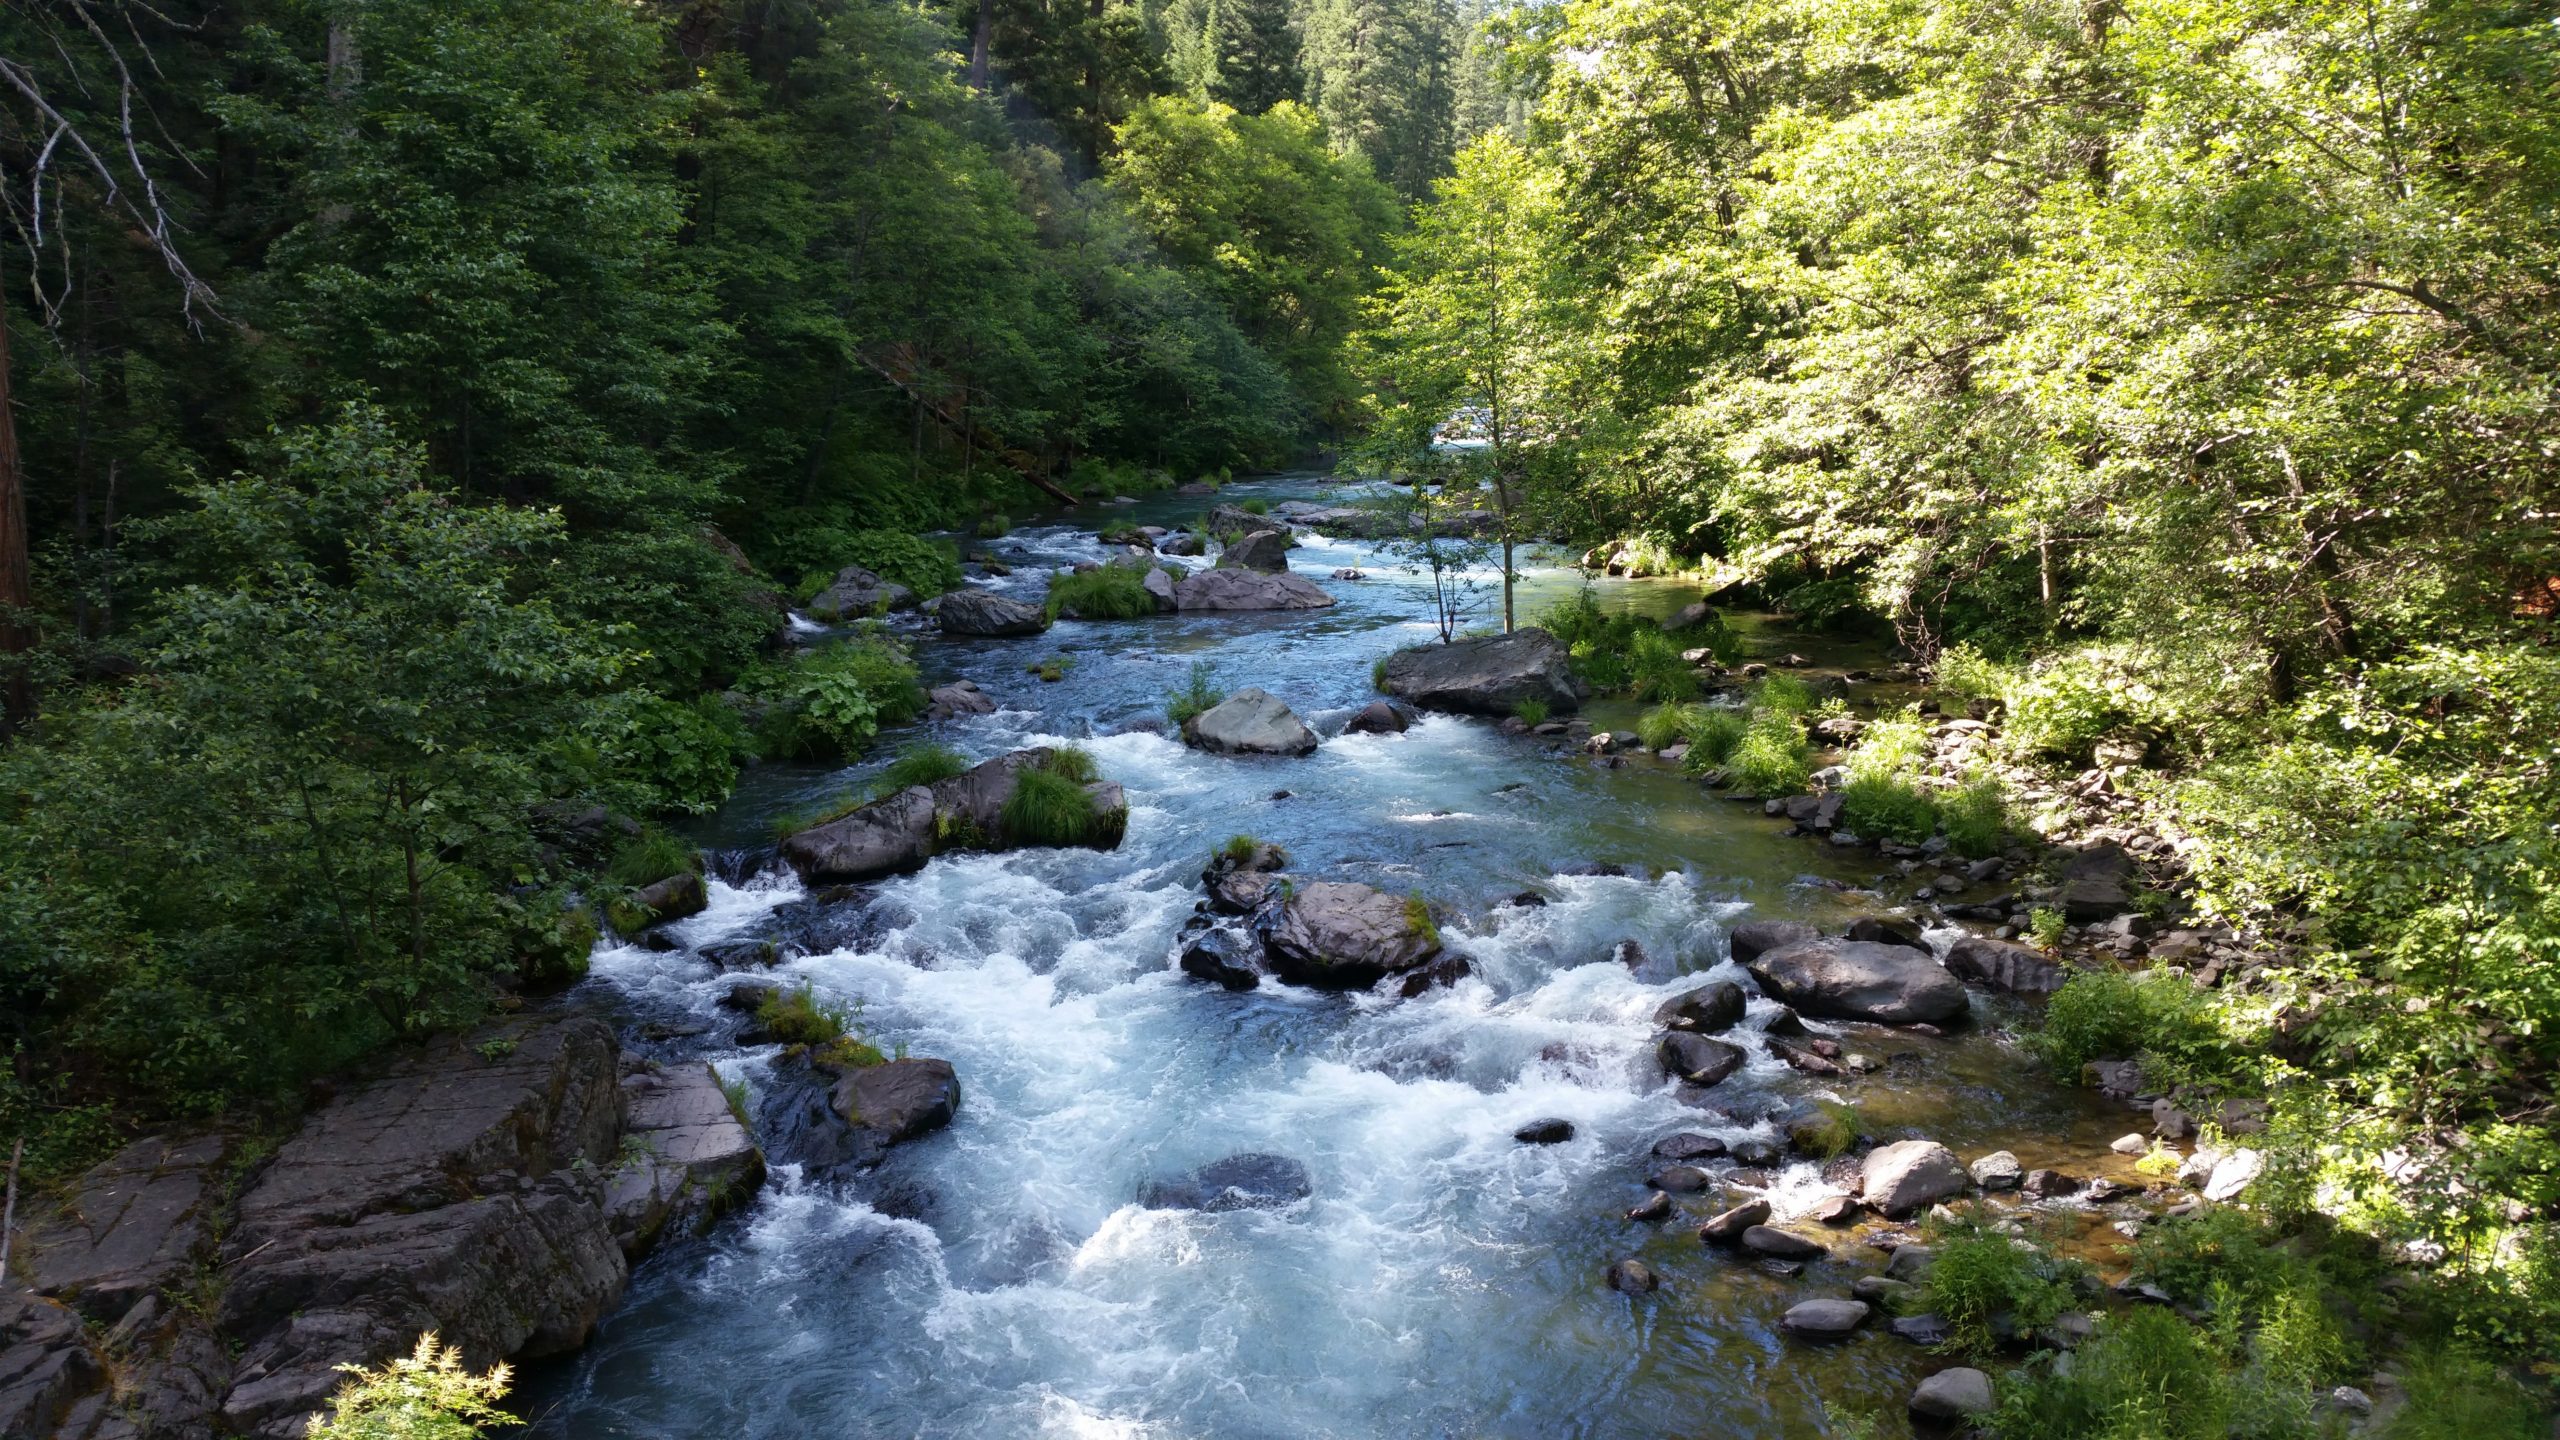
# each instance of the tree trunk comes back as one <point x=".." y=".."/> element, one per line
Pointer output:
<point x="981" y="40"/>
<point x="17" y="581"/>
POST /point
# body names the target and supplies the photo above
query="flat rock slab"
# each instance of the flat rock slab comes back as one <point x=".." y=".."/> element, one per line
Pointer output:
<point x="1824" y="1319"/>
<point x="1250" y="722"/>
<point x="1860" y="980"/>
<point x="686" y="1159"/>
<point x="1782" y="1244"/>
<point x="134" y="1225"/>
<point x="1491" y="676"/>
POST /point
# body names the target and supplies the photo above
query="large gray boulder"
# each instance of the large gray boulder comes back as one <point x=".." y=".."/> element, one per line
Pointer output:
<point x="1248" y="590"/>
<point x="1159" y="587"/>
<point x="1911" y="1175"/>
<point x="1341" y="936"/>
<point x="855" y="593"/>
<point x="1697" y="1059"/>
<point x="2097" y="884"/>
<point x="2004" y="966"/>
<point x="1250" y="722"/>
<point x="1753" y="938"/>
<point x="966" y="812"/>
<point x="1489" y="676"/>
<point x="983" y="612"/>
<point x="1265" y="549"/>
<point x="1953" y="1395"/>
<point x="1824" y="1319"/>
<point x="1857" y="980"/>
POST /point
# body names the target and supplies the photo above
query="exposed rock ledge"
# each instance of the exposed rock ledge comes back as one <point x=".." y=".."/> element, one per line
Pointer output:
<point x="966" y="812"/>
<point x="492" y="1188"/>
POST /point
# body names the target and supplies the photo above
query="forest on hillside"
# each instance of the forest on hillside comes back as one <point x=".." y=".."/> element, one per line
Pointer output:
<point x="418" y="418"/>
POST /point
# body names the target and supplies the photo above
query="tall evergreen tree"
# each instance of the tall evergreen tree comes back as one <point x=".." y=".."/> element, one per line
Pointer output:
<point x="1382" y="75"/>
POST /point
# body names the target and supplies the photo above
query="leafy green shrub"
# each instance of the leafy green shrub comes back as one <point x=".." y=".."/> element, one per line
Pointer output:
<point x="1888" y="807"/>
<point x="1979" y="1276"/>
<point x="648" y="857"/>
<point x="1771" y="758"/>
<point x="1976" y="815"/>
<point x="654" y="755"/>
<point x="2103" y="1014"/>
<point x="833" y="701"/>
<point x="1531" y="712"/>
<point x="2191" y="1256"/>
<point x="1113" y="592"/>
<point x="1962" y="675"/>
<point x="797" y="1016"/>
<point x="994" y="527"/>
<point x="2147" y="1374"/>
<point x="2045" y="927"/>
<point x="425" y="1395"/>
<point x="1200" y="694"/>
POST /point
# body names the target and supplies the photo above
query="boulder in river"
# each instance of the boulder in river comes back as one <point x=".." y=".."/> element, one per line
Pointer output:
<point x="1885" y="930"/>
<point x="960" y="697"/>
<point x="1489" y="676"/>
<point x="1265" y="549"/>
<point x="1222" y="958"/>
<point x="1544" y="1132"/>
<point x="1782" y="1244"/>
<point x="1159" y="584"/>
<point x="1248" y="590"/>
<point x="1633" y="1277"/>
<point x="901" y="832"/>
<point x="1377" y="718"/>
<point x="1712" y="1007"/>
<point x="898" y="1100"/>
<point x="856" y="593"/>
<point x="673" y="898"/>
<point x="1824" y="1319"/>
<point x="1729" y="1227"/>
<point x="2004" y="966"/>
<point x="1753" y="938"/>
<point x="1685" y="1055"/>
<point x="983" y="612"/>
<point x="1250" y="722"/>
<point x="1953" y="1395"/>
<point x="1859" y="980"/>
<point x="1341" y="936"/>
<point x="1250" y="1181"/>
<point x="1688" y="1145"/>
<point x="1911" y="1175"/>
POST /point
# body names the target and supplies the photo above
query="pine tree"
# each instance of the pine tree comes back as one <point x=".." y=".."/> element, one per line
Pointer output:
<point x="1380" y="73"/>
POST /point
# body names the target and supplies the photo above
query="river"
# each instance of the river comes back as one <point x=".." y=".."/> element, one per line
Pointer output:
<point x="997" y="1280"/>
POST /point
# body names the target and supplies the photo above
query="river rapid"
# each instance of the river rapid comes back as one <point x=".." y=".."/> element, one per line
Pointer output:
<point x="997" y="1279"/>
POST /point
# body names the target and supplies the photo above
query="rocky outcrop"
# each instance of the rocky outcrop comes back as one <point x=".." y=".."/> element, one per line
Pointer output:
<point x="1265" y="549"/>
<point x="1240" y="884"/>
<point x="1855" y="980"/>
<point x="490" y="1188"/>
<point x="1341" y="936"/>
<point x="1248" y="590"/>
<point x="966" y="812"/>
<point x="1252" y="1181"/>
<point x="983" y="612"/>
<point x="1490" y="676"/>
<point x="1911" y="1175"/>
<point x="856" y="593"/>
<point x="960" y="697"/>
<point x="1250" y="722"/>
<point x="1980" y="960"/>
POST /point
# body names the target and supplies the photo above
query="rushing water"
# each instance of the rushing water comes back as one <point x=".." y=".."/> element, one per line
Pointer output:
<point x="997" y="1279"/>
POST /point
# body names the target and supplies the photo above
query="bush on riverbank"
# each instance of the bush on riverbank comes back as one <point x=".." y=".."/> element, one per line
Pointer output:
<point x="1629" y="654"/>
<point x="831" y="702"/>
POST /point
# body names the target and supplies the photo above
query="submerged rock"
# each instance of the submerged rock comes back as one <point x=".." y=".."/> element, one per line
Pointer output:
<point x="1956" y="1394"/>
<point x="1341" y="936"/>
<point x="1688" y="1145"/>
<point x="1858" y="980"/>
<point x="1729" y="1227"/>
<point x="1250" y="1181"/>
<point x="1377" y="718"/>
<point x="966" y="812"/>
<point x="983" y="612"/>
<point x="1544" y="1132"/>
<point x="1221" y="957"/>
<point x="1633" y="1277"/>
<point x="1490" y="676"/>
<point x="1696" y="1058"/>
<point x="1250" y="722"/>
<point x="1782" y="1244"/>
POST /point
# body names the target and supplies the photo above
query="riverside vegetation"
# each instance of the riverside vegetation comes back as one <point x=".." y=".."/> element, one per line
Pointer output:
<point x="418" y="417"/>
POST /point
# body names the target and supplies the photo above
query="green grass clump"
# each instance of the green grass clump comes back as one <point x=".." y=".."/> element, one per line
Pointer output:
<point x="1831" y="1132"/>
<point x="1531" y="712"/>
<point x="1784" y="694"/>
<point x="1665" y="724"/>
<point x="1114" y="592"/>
<point x="1888" y="807"/>
<point x="1714" y="636"/>
<point x="923" y="763"/>
<point x="649" y="857"/>
<point x="1200" y="694"/>
<point x="1049" y="805"/>
<point x="1713" y="733"/>
<point x="1976" y="815"/>
<point x="2149" y="1374"/>
<point x="1256" y="507"/>
<point x="847" y="1052"/>
<point x="798" y="1017"/>
<point x="1655" y="670"/>
<point x="1417" y="919"/>
<point x="1051" y="670"/>
<point x="1963" y="675"/>
<point x="1771" y="758"/>
<point x="1239" y="848"/>
<point x="1981" y="1275"/>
